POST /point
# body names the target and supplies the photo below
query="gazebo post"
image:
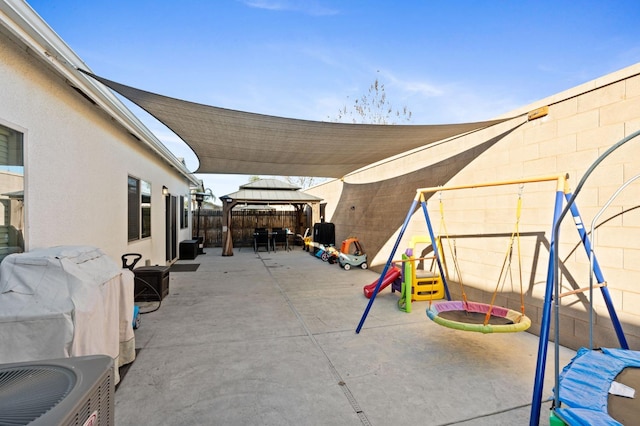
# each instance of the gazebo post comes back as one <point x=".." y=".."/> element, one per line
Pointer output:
<point x="298" y="208"/>
<point x="227" y="236"/>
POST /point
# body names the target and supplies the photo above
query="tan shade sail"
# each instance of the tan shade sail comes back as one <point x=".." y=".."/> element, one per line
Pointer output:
<point x="235" y="142"/>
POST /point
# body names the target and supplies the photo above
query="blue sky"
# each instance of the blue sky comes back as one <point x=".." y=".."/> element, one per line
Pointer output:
<point x="446" y="61"/>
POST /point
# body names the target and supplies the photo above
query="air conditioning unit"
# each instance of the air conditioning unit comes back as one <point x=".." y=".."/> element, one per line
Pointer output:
<point x="70" y="391"/>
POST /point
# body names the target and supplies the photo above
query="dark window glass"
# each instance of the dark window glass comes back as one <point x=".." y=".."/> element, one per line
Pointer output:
<point x="133" y="208"/>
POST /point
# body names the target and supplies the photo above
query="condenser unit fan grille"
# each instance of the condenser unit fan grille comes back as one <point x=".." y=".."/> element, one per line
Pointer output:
<point x="99" y="400"/>
<point x="28" y="392"/>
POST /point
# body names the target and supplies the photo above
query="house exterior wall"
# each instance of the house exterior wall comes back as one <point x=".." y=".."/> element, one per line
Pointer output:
<point x="77" y="161"/>
<point x="581" y="124"/>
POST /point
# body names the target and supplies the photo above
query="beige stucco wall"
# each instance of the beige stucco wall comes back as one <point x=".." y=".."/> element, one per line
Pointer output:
<point x="77" y="160"/>
<point x="581" y="124"/>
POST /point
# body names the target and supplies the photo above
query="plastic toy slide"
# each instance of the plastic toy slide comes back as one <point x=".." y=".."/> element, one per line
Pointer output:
<point x="392" y="275"/>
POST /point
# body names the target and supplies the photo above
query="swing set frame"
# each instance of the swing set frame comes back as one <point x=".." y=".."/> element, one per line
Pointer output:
<point x="421" y="197"/>
<point x="563" y="195"/>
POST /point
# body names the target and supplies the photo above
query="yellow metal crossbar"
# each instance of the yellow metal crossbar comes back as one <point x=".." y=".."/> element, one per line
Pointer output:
<point x="560" y="178"/>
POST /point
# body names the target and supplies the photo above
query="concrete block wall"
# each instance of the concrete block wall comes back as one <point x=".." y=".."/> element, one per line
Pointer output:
<point x="581" y="124"/>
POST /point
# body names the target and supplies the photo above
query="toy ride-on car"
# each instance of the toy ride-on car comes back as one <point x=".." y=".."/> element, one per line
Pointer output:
<point x="352" y="254"/>
<point x="327" y="253"/>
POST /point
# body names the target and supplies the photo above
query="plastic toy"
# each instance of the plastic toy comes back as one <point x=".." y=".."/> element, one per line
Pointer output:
<point x="306" y="239"/>
<point x="426" y="284"/>
<point x="352" y="254"/>
<point x="313" y="247"/>
<point x="331" y="255"/>
<point x="326" y="253"/>
<point x="393" y="276"/>
<point x="418" y="284"/>
<point x="136" y="317"/>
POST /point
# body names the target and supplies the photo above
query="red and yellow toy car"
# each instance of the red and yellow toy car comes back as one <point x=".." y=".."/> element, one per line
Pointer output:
<point x="352" y="254"/>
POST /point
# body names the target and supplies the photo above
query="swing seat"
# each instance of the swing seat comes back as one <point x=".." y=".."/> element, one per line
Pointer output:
<point x="470" y="317"/>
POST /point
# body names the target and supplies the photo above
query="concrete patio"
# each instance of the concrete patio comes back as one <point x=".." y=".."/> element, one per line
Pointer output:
<point x="269" y="339"/>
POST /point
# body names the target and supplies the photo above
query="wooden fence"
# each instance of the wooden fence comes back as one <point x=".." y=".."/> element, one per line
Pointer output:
<point x="243" y="224"/>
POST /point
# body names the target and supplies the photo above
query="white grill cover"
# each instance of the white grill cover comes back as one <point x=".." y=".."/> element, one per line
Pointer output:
<point x="65" y="301"/>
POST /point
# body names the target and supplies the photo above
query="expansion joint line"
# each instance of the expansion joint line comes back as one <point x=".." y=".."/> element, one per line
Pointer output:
<point x="345" y="388"/>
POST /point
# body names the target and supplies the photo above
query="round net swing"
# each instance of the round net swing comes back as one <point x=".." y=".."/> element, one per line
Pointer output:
<point x="481" y="317"/>
<point x="472" y="316"/>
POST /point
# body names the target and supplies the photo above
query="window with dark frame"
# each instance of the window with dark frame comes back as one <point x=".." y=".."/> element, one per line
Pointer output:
<point x="133" y="215"/>
<point x="145" y="208"/>
<point x="184" y="217"/>
<point x="139" y="209"/>
<point x="12" y="197"/>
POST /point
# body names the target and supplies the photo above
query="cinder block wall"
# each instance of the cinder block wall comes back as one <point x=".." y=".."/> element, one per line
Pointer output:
<point x="581" y="124"/>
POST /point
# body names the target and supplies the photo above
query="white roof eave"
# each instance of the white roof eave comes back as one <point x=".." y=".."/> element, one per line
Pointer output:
<point x="19" y="18"/>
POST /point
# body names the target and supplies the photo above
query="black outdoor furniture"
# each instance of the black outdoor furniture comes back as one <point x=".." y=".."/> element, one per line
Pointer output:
<point x="324" y="233"/>
<point x="280" y="236"/>
<point x="261" y="238"/>
<point x="188" y="249"/>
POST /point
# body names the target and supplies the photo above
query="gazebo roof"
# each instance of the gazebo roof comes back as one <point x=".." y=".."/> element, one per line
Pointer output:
<point x="270" y="191"/>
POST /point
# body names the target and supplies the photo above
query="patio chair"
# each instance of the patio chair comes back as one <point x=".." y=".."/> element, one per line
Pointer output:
<point x="280" y="236"/>
<point x="261" y="238"/>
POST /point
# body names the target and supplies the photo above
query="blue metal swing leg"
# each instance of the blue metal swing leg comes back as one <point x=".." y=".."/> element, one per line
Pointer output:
<point x="388" y="264"/>
<point x="549" y="296"/>
<point x="534" y="419"/>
